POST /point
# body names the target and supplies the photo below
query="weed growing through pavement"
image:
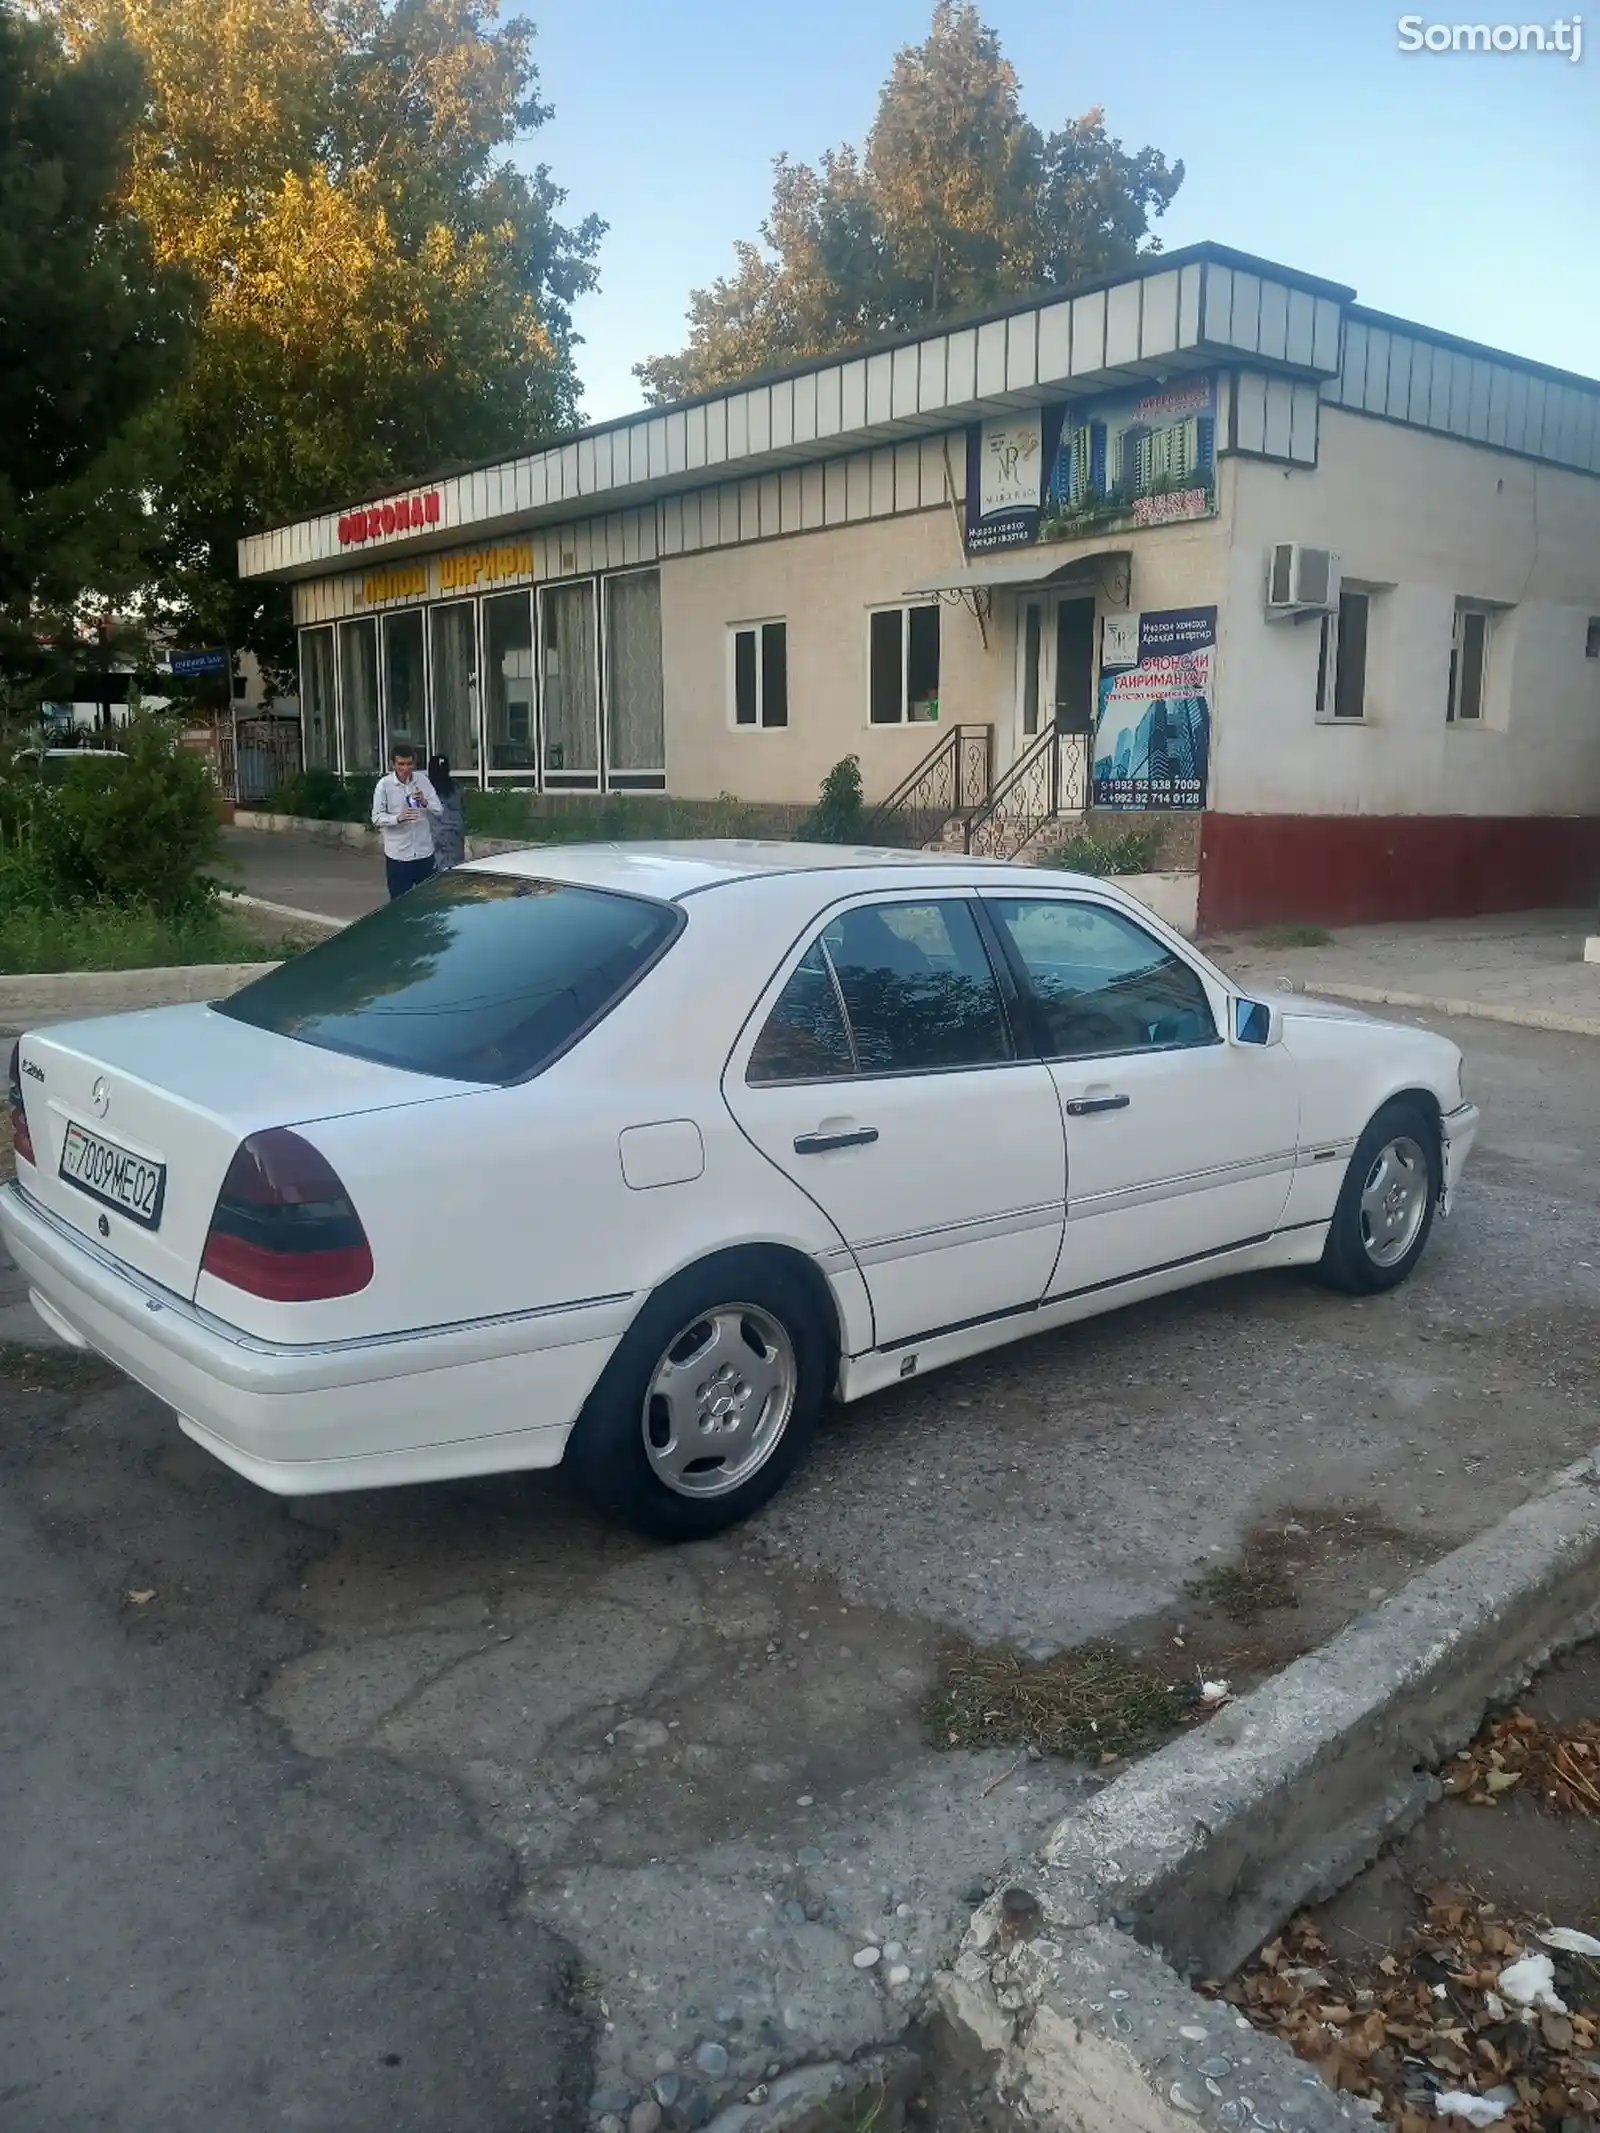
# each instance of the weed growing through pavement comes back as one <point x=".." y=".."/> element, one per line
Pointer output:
<point x="1091" y="1702"/>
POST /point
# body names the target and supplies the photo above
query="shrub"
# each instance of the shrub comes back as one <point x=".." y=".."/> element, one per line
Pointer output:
<point x="1128" y="852"/>
<point x="323" y="796"/>
<point x="838" y="815"/>
<point x="139" y="832"/>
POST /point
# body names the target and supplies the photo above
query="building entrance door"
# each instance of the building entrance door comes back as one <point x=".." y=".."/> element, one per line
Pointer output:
<point x="1055" y="689"/>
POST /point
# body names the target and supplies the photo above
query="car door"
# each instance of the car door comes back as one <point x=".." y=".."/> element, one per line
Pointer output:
<point x="1179" y="1143"/>
<point x="882" y="1074"/>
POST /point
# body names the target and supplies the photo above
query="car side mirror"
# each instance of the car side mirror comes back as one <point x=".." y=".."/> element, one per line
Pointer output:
<point x="1257" y="1022"/>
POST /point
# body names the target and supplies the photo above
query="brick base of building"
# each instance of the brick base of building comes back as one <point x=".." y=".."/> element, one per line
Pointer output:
<point x="1347" y="870"/>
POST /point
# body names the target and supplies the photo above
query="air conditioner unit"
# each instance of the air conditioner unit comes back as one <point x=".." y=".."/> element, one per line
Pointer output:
<point x="1301" y="581"/>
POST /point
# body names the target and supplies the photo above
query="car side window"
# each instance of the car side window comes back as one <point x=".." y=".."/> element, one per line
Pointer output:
<point x="917" y="987"/>
<point x="1103" y="985"/>
<point x="804" y="1038"/>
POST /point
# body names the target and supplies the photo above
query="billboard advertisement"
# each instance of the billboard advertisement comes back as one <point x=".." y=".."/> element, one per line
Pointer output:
<point x="1114" y="464"/>
<point x="1152" y="735"/>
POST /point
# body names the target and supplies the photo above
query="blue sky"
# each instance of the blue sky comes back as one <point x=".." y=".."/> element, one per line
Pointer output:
<point x="1459" y="190"/>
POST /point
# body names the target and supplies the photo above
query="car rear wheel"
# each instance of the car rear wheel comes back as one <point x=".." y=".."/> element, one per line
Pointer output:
<point x="1386" y="1204"/>
<point x="709" y="1403"/>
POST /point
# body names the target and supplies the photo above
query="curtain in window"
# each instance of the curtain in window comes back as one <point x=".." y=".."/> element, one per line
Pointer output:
<point x="567" y="631"/>
<point x="316" y="698"/>
<point x="635" y="736"/>
<point x="358" y="671"/>
<point x="405" y="709"/>
<point x="508" y="681"/>
<point x="455" y="695"/>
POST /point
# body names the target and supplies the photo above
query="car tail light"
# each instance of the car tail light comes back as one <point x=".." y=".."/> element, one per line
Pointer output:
<point x="284" y="1227"/>
<point x="21" y="1133"/>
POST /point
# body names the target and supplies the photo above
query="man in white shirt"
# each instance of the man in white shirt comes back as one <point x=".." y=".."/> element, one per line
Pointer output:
<point x="403" y="804"/>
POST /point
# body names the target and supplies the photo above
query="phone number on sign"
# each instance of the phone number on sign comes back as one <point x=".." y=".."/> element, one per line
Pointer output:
<point x="1148" y="792"/>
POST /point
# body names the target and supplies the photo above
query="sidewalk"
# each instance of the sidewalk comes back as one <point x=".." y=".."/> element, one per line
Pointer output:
<point x="1525" y="967"/>
<point x="302" y="874"/>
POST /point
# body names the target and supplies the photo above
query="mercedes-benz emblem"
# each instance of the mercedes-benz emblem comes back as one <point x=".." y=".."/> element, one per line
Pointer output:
<point x="100" y="1096"/>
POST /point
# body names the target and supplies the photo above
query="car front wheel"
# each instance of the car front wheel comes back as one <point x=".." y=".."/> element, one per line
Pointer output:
<point x="709" y="1403"/>
<point x="1386" y="1204"/>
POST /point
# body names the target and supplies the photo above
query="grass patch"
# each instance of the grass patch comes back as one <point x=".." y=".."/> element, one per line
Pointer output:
<point x="1129" y="852"/>
<point x="105" y="936"/>
<point x="1089" y="1702"/>
<point x="1248" y="1589"/>
<point x="1263" y="1577"/>
<point x="1288" y="936"/>
<point x="53" y="1369"/>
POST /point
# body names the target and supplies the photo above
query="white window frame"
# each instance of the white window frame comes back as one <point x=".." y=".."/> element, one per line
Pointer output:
<point x="1478" y="720"/>
<point x="1327" y="691"/>
<point x="757" y="624"/>
<point x="904" y="609"/>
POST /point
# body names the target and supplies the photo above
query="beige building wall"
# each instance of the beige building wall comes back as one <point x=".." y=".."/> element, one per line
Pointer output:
<point x="1421" y="520"/>
<point x="824" y="585"/>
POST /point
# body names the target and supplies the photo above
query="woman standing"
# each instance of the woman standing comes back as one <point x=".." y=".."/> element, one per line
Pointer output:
<point x="449" y="830"/>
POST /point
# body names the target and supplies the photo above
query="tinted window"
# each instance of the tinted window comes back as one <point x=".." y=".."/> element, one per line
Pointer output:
<point x="1102" y="983"/>
<point x="805" y="1038"/>
<point x="917" y="988"/>
<point x="477" y="977"/>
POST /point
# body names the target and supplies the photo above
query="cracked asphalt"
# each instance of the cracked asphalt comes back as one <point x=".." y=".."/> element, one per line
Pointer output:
<point x="449" y="1811"/>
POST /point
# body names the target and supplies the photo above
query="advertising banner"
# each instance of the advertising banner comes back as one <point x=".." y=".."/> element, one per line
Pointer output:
<point x="1152" y="736"/>
<point x="1145" y="457"/>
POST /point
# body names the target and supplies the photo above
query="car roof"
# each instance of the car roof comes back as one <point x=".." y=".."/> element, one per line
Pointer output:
<point x="673" y="870"/>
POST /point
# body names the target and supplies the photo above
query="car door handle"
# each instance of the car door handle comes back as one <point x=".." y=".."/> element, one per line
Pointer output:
<point x="846" y="1137"/>
<point x="1086" y="1106"/>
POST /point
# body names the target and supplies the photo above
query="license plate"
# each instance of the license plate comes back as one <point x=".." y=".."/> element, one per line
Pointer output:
<point x="132" y="1184"/>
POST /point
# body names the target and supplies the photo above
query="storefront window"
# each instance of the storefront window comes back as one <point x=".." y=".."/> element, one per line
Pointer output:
<point x="455" y="687"/>
<point x="358" y="710"/>
<point x="571" y="725"/>
<point x="508" y="681"/>
<point x="635" y="740"/>
<point x="316" y="698"/>
<point x="404" y="701"/>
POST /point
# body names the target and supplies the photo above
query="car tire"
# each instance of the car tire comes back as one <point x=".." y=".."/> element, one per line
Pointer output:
<point x="730" y="1361"/>
<point x="1386" y="1206"/>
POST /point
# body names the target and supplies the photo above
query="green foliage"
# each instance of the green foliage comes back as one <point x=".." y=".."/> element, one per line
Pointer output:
<point x="1126" y="852"/>
<point x="1293" y="936"/>
<point x="322" y="796"/>
<point x="37" y="935"/>
<point x="92" y="329"/>
<point x="839" y="816"/>
<point x="386" y="291"/>
<point x="956" y="202"/>
<point x="137" y="833"/>
<point x="613" y="817"/>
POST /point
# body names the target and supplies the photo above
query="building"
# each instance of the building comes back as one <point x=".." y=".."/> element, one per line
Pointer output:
<point x="1019" y="566"/>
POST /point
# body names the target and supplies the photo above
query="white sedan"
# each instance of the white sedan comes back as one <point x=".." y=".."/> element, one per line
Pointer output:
<point x="632" y="1156"/>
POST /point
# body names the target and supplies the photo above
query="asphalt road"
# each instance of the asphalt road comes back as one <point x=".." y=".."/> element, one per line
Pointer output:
<point x="447" y="1809"/>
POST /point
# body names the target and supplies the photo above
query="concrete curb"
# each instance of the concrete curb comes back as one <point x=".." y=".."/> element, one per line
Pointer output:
<point x="1204" y="1849"/>
<point x="1480" y="1010"/>
<point x="291" y="912"/>
<point x="75" y="995"/>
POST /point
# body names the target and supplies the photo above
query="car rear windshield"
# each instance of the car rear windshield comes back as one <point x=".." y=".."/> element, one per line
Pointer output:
<point x="476" y="977"/>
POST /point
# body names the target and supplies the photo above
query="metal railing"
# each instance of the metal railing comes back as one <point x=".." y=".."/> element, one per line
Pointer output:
<point x="1051" y="778"/>
<point x="950" y="782"/>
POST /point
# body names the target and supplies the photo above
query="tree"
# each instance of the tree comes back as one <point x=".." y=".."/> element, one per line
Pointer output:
<point x="92" y="330"/>
<point x="957" y="201"/>
<point x="385" y="291"/>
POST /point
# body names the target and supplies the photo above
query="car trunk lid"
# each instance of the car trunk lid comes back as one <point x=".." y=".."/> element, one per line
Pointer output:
<point x="135" y="1119"/>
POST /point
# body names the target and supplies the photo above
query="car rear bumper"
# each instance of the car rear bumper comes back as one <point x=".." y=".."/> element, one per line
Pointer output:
<point x="1458" y="1129"/>
<point x="487" y="1396"/>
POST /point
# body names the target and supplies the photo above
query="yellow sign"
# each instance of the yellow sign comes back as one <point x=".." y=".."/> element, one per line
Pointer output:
<point x="459" y="573"/>
<point x="401" y="581"/>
